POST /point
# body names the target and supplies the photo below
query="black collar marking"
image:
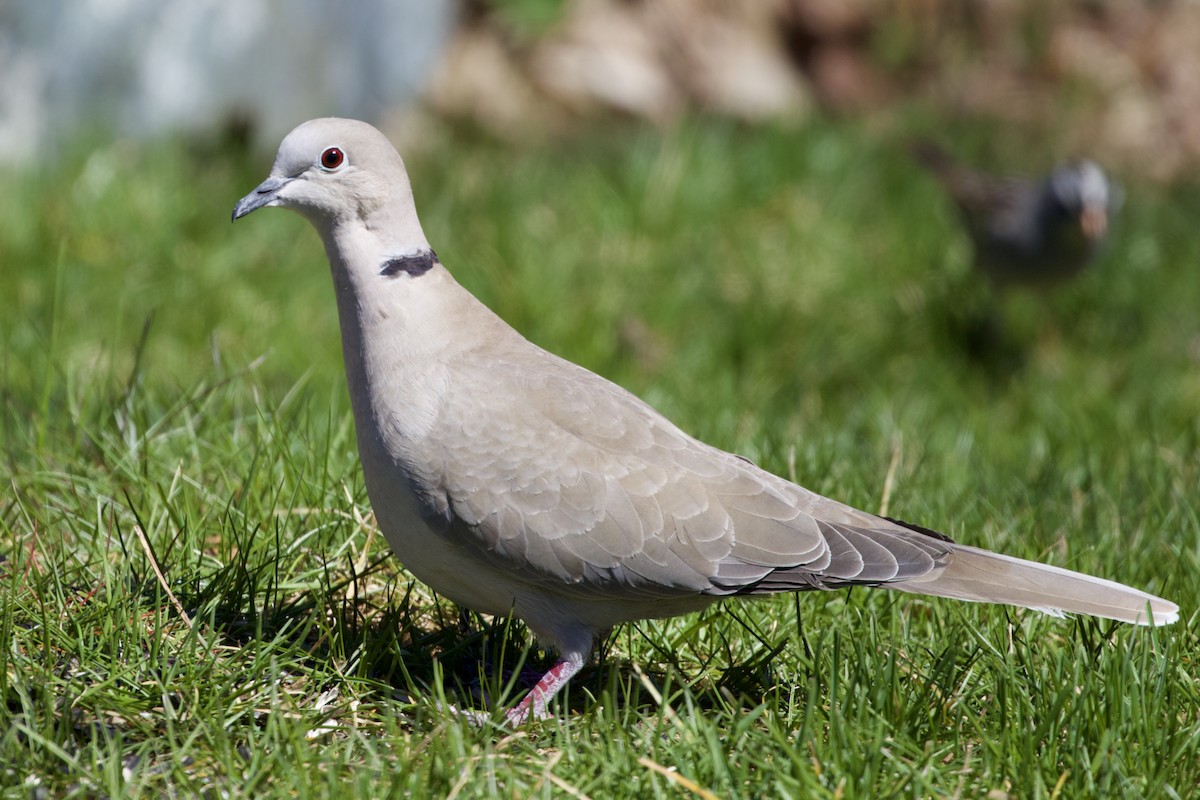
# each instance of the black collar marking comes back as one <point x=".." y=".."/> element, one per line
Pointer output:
<point x="416" y="264"/>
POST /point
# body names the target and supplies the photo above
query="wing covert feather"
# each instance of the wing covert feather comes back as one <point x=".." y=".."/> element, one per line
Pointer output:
<point x="608" y="492"/>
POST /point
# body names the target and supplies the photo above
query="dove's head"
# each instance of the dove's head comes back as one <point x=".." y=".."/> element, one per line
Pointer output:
<point x="339" y="173"/>
<point x="1083" y="192"/>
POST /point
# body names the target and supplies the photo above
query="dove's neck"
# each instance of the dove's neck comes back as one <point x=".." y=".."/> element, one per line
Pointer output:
<point x="403" y="332"/>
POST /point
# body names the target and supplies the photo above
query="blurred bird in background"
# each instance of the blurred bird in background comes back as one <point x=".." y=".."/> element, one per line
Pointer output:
<point x="1024" y="231"/>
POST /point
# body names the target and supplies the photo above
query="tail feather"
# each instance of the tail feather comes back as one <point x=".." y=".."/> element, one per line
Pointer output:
<point x="982" y="576"/>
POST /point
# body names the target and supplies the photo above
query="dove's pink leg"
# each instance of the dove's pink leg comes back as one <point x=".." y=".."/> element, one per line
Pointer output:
<point x="534" y="704"/>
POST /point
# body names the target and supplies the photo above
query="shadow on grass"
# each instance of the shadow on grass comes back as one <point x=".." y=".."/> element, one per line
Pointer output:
<point x="420" y="649"/>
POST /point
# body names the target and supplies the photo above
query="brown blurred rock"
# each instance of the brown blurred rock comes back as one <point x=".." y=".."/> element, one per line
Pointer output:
<point x="987" y="89"/>
<point x="1143" y="66"/>
<point x="1086" y="54"/>
<point x="654" y="58"/>
<point x="831" y="19"/>
<point x="1177" y="74"/>
<point x="480" y="78"/>
<point x="845" y="80"/>
<point x="1119" y="81"/>
<point x="729" y="58"/>
<point x="606" y="55"/>
<point x="1134" y="129"/>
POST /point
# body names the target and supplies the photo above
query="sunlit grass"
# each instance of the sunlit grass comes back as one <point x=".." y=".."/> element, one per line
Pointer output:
<point x="173" y="398"/>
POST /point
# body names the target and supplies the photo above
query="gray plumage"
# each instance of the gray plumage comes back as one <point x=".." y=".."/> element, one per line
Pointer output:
<point x="514" y="482"/>
<point x="1029" y="232"/>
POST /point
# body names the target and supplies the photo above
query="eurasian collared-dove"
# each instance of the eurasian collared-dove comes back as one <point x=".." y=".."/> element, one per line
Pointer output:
<point x="514" y="482"/>
<point x="1029" y="232"/>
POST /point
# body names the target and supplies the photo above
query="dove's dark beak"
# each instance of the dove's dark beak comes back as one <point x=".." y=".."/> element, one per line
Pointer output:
<point x="1094" y="222"/>
<point x="265" y="194"/>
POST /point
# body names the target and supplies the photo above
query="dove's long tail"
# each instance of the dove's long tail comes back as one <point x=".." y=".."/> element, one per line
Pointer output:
<point x="986" y="577"/>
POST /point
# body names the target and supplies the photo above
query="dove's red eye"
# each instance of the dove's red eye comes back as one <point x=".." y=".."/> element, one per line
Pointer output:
<point x="332" y="158"/>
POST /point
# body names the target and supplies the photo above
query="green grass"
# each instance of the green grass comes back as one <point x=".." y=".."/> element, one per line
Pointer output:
<point x="797" y="296"/>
